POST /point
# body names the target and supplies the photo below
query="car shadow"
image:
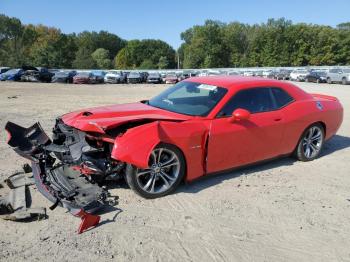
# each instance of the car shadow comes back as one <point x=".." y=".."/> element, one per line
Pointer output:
<point x="336" y="143"/>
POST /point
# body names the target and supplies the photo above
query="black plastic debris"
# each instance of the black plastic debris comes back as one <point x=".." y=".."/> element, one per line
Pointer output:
<point x="15" y="199"/>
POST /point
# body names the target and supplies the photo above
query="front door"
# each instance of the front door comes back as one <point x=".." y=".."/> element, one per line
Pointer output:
<point x="237" y="143"/>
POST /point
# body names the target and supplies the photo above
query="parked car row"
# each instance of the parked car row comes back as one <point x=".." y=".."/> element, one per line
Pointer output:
<point x="41" y="74"/>
<point x="333" y="75"/>
<point x="27" y="74"/>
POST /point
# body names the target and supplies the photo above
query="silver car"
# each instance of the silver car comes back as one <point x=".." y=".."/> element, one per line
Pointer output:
<point x="337" y="75"/>
<point x="114" y="77"/>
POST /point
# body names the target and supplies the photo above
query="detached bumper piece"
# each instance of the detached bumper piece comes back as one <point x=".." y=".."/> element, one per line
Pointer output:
<point x="15" y="204"/>
<point x="60" y="183"/>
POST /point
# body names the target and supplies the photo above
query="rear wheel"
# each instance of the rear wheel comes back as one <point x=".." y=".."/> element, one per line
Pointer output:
<point x="165" y="172"/>
<point x="311" y="143"/>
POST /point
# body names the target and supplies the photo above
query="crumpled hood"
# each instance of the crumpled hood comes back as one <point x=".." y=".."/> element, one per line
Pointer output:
<point x="99" y="119"/>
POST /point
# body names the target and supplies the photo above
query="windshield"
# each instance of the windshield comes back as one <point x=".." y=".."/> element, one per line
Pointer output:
<point x="189" y="98"/>
<point x="114" y="72"/>
<point x="62" y="74"/>
<point x="98" y="73"/>
<point x="12" y="71"/>
<point x="83" y="74"/>
<point x="300" y="72"/>
<point x="154" y="75"/>
<point x="134" y="74"/>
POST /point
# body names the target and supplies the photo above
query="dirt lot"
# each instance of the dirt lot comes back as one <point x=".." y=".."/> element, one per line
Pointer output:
<point x="280" y="211"/>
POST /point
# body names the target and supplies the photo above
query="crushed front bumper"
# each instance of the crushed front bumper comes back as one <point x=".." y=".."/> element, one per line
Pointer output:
<point x="60" y="183"/>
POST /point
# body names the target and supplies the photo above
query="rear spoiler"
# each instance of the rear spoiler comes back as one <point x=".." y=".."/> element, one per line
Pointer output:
<point x="320" y="96"/>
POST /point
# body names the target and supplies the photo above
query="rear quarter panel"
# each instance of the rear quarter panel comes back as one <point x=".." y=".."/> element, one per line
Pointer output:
<point x="301" y="114"/>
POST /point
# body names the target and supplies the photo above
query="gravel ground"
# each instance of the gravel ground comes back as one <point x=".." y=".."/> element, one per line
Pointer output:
<point x="280" y="211"/>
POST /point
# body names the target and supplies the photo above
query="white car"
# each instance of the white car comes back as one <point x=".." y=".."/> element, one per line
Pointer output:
<point x="266" y="73"/>
<point x="248" y="73"/>
<point x="114" y="77"/>
<point x="338" y="76"/>
<point x="298" y="75"/>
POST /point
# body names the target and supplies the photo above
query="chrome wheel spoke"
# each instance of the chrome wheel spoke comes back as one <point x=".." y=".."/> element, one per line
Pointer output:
<point x="311" y="131"/>
<point x="153" y="183"/>
<point x="173" y="161"/>
<point x="167" y="176"/>
<point x="307" y="151"/>
<point x="159" y="155"/>
<point x="314" y="147"/>
<point x="161" y="175"/>
<point x="149" y="182"/>
<point x="316" y="137"/>
<point x="154" y="157"/>
<point x="144" y="172"/>
<point x="168" y="161"/>
<point x="172" y="164"/>
<point x="305" y="141"/>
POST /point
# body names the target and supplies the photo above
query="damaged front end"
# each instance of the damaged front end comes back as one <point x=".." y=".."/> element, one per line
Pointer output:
<point x="68" y="169"/>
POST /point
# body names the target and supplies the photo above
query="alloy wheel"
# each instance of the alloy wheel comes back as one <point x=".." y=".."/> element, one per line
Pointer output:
<point x="312" y="142"/>
<point x="163" y="171"/>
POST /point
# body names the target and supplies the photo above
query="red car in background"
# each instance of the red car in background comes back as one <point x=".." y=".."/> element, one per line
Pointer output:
<point x="171" y="79"/>
<point x="200" y="126"/>
<point x="85" y="78"/>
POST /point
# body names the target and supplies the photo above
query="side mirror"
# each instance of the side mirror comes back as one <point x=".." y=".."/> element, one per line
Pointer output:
<point x="240" y="114"/>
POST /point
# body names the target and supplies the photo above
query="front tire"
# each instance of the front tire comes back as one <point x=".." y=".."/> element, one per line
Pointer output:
<point x="165" y="172"/>
<point x="311" y="143"/>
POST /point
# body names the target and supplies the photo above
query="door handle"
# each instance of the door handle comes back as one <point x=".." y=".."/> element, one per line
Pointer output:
<point x="277" y="119"/>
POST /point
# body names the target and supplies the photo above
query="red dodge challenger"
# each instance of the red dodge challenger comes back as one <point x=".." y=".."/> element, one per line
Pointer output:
<point x="200" y="126"/>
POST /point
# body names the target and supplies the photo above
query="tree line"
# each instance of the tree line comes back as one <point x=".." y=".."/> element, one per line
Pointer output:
<point x="212" y="45"/>
<point x="275" y="43"/>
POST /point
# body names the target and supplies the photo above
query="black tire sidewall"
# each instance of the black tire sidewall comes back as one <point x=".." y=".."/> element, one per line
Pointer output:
<point x="131" y="170"/>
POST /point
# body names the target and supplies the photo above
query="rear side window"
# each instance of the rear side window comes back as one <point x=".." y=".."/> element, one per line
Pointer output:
<point x="282" y="97"/>
<point x="254" y="100"/>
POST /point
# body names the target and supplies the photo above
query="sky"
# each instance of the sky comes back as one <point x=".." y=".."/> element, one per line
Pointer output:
<point x="165" y="20"/>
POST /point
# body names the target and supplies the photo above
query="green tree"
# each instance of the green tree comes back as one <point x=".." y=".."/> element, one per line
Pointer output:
<point x="101" y="58"/>
<point x="147" y="64"/>
<point x="83" y="59"/>
<point x="122" y="60"/>
<point x="163" y="62"/>
<point x="15" y="41"/>
<point x="139" y="54"/>
<point x="205" y="46"/>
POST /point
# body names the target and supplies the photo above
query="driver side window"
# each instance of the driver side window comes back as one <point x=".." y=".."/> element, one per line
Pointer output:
<point x="255" y="100"/>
